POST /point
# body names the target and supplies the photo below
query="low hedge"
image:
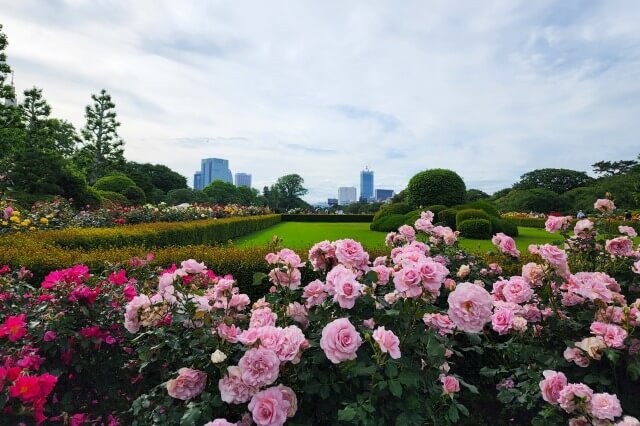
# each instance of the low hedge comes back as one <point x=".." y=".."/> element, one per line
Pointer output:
<point x="467" y="214"/>
<point x="531" y="222"/>
<point x="448" y="217"/>
<point x="475" y="228"/>
<point x="364" y="218"/>
<point x="435" y="209"/>
<point x="149" y="235"/>
<point x="504" y="226"/>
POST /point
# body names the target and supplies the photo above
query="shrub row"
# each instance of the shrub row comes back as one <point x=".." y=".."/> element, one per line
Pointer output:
<point x="531" y="222"/>
<point x="365" y="218"/>
<point x="149" y="235"/>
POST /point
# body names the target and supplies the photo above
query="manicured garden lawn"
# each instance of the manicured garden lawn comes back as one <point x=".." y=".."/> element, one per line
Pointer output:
<point x="305" y="234"/>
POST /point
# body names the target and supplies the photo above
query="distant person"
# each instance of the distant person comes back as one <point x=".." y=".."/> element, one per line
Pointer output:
<point x="581" y="215"/>
<point x="627" y="215"/>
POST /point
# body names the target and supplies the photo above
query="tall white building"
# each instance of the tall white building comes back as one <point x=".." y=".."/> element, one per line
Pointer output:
<point x="346" y="195"/>
<point x="243" y="179"/>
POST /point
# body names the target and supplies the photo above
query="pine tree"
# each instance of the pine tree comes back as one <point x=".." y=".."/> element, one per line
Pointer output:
<point x="35" y="115"/>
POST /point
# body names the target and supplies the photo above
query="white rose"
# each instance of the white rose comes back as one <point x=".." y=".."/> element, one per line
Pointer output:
<point x="218" y="356"/>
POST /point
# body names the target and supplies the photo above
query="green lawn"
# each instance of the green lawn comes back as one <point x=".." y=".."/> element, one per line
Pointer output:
<point x="304" y="234"/>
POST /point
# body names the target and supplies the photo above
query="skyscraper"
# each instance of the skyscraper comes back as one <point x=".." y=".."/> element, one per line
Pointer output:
<point x="346" y="195"/>
<point x="197" y="181"/>
<point x="215" y="169"/>
<point x="384" y="194"/>
<point x="243" y="179"/>
<point x="366" y="185"/>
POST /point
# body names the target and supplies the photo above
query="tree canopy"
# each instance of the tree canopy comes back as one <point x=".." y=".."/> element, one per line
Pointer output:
<point x="556" y="180"/>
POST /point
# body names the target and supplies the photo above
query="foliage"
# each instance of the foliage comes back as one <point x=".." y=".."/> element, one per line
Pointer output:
<point x="612" y="168"/>
<point x="436" y="186"/>
<point x="486" y="205"/>
<point x="436" y="208"/>
<point x="535" y="200"/>
<point x="475" y="228"/>
<point x="556" y="180"/>
<point x="476" y="194"/>
<point x="380" y="221"/>
<point x="466" y="214"/>
<point x="114" y="183"/>
<point x="114" y="198"/>
<point x="448" y="217"/>
<point x="503" y="225"/>
<point x="135" y="195"/>
<point x="362" y="207"/>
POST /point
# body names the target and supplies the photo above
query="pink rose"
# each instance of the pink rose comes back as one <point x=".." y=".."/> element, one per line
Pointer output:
<point x="552" y="254"/>
<point x="440" y="322"/>
<point x="132" y="312"/>
<point x="505" y="244"/>
<point x="502" y="320"/>
<point x="628" y="421"/>
<point x="604" y="205"/>
<point x="620" y="246"/>
<point x="567" y="396"/>
<point x="49" y="336"/>
<point x="321" y="255"/>
<point x="262" y="317"/>
<point x="628" y="230"/>
<point x="346" y="290"/>
<point x="432" y="274"/>
<point x="315" y="293"/>
<point x="387" y="341"/>
<point x="583" y="228"/>
<point x="551" y="385"/>
<point x="233" y="390"/>
<point x="351" y="254"/>
<point x="470" y="307"/>
<point x="338" y="273"/>
<point x="289" y="258"/>
<point x="614" y="336"/>
<point x="384" y="274"/>
<point x="450" y="385"/>
<point x="408" y="232"/>
<point x="298" y="313"/>
<point x="516" y="290"/>
<point x="340" y="340"/>
<point x="532" y="274"/>
<point x="191" y="266"/>
<point x="291" y="344"/>
<point x="287" y="277"/>
<point x="290" y="396"/>
<point x="260" y="367"/>
<point x="557" y="223"/>
<point x="269" y="408"/>
<point x="369" y="323"/>
<point x="220" y="422"/>
<point x="605" y="406"/>
<point x="407" y="281"/>
<point x="576" y="355"/>
<point x="189" y="384"/>
<point x="229" y="333"/>
<point x="636" y="267"/>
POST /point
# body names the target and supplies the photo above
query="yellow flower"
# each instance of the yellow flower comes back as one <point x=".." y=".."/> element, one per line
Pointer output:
<point x="15" y="213"/>
<point x="25" y="223"/>
<point x="5" y="223"/>
<point x="33" y="228"/>
<point x="15" y="219"/>
<point x="44" y="221"/>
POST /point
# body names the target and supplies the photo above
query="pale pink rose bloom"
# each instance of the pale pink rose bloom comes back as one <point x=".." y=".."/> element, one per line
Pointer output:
<point x="517" y="290"/>
<point x="291" y="344"/>
<point x="369" y="323"/>
<point x="551" y="385"/>
<point x="449" y="385"/>
<point x="598" y="328"/>
<point x="132" y="312"/>
<point x="269" y="337"/>
<point x="463" y="271"/>
<point x="290" y="396"/>
<point x="289" y="258"/>
<point x="232" y="389"/>
<point x="502" y="320"/>
<point x="288" y="277"/>
<point x="165" y="281"/>
<point x="407" y="281"/>
<point x="350" y="253"/>
<point x="347" y="290"/>
<point x="380" y="260"/>
<point x="552" y="254"/>
<point x="636" y="267"/>
<point x="440" y="322"/>
<point x="220" y="422"/>
<point x="427" y="215"/>
<point x="384" y="274"/>
<point x="576" y="355"/>
<point x="229" y="333"/>
<point x="338" y="273"/>
<point x="408" y="232"/>
<point x="315" y="293"/>
<point x="432" y="275"/>
<point x="508" y="246"/>
<point x="604" y="205"/>
<point x="271" y="258"/>
<point x="614" y="336"/>
<point x="450" y="284"/>
<point x="259" y="367"/>
<point x="262" y="316"/>
<point x="557" y="223"/>
<point x="532" y="274"/>
<point x="189" y="384"/>
<point x="605" y="406"/>
<point x="533" y="249"/>
<point x="532" y="313"/>
<point x="519" y="324"/>
<point x="594" y="286"/>
<point x="628" y="230"/>
<point x="470" y="307"/>
<point x="340" y="341"/>
<point x="620" y="246"/>
<point x="239" y="302"/>
<point x="392" y="297"/>
<point x="628" y="421"/>
<point x="583" y="228"/>
<point x="191" y="266"/>
<point x="580" y="421"/>
<point x="592" y="346"/>
<point x="423" y="225"/>
<point x="249" y="337"/>
<point x="269" y="408"/>
<point x="298" y="313"/>
<point x="387" y="341"/>
<point x="572" y="391"/>
<point x="321" y="254"/>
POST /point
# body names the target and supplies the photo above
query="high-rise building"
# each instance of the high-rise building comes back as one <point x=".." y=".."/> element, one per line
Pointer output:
<point x="366" y="185"/>
<point x="215" y="169"/>
<point x="332" y="202"/>
<point x="384" y="194"/>
<point x="197" y="181"/>
<point x="243" y="179"/>
<point x="346" y="195"/>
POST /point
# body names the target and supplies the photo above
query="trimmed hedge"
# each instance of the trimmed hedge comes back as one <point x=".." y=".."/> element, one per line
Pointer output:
<point x="475" y="228"/>
<point x="531" y="222"/>
<point x="467" y="214"/>
<point x="436" y="186"/>
<point x="114" y="197"/>
<point x="435" y="209"/>
<point x="448" y="217"/>
<point x="502" y="225"/>
<point x="364" y="218"/>
<point x="149" y="235"/>
<point x="114" y="183"/>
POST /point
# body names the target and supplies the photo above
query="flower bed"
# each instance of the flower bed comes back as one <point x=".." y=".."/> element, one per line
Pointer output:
<point x="426" y="334"/>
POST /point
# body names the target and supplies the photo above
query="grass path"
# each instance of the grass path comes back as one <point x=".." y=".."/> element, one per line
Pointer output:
<point x="304" y="234"/>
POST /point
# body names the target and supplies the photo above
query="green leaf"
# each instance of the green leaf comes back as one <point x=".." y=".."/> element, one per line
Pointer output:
<point x="453" y="414"/>
<point x="347" y="414"/>
<point x="190" y="417"/>
<point x="391" y="370"/>
<point x="395" y="388"/>
<point x="463" y="409"/>
<point x="392" y="312"/>
<point x="371" y="276"/>
<point x="258" y="277"/>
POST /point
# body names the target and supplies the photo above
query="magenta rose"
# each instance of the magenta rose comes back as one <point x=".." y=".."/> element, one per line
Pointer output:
<point x="189" y="384"/>
<point x="388" y="342"/>
<point x="260" y="367"/>
<point x="269" y="408"/>
<point x="470" y="307"/>
<point x="551" y="385"/>
<point x="605" y="406"/>
<point x="340" y="340"/>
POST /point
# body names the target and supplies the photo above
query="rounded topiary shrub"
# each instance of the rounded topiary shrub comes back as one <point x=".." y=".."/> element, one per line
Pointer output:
<point x="391" y="223"/>
<point x="435" y="209"/>
<point x="387" y="210"/>
<point x="485" y="205"/>
<point x="471" y="214"/>
<point x="114" y="183"/>
<point x="436" y="186"/>
<point x="412" y="216"/>
<point x="135" y="195"/>
<point x="448" y="217"/>
<point x="113" y="197"/>
<point x="475" y="228"/>
<point x="504" y="226"/>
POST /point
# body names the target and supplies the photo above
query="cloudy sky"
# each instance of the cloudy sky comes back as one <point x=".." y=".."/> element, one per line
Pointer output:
<point x="490" y="89"/>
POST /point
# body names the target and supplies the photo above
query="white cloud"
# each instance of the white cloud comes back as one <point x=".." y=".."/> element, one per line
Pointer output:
<point x="489" y="89"/>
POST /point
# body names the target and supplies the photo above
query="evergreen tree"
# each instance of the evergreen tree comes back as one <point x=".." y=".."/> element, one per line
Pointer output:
<point x="103" y="146"/>
<point x="35" y="115"/>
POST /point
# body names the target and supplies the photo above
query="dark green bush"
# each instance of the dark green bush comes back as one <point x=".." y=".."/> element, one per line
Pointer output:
<point x="113" y="197"/>
<point x="435" y="209"/>
<point x="366" y="218"/>
<point x="114" y="183"/>
<point x="475" y="228"/>
<point x="387" y="210"/>
<point x="470" y="214"/>
<point x="180" y="196"/>
<point x="436" y="186"/>
<point x="504" y="226"/>
<point x="135" y="195"/>
<point x="411" y="217"/>
<point x="485" y="205"/>
<point x="389" y="223"/>
<point x="530" y="200"/>
<point x="448" y="217"/>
